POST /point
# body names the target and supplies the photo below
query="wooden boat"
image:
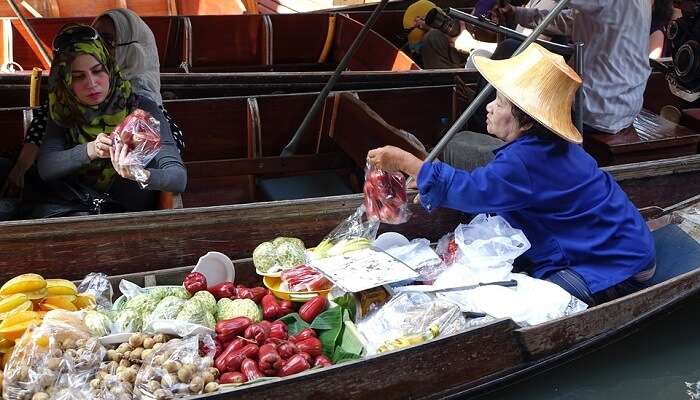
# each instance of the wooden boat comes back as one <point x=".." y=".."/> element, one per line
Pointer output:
<point x="469" y="362"/>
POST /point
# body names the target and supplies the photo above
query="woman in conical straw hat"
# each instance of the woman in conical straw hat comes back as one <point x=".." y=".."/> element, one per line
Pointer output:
<point x="586" y="235"/>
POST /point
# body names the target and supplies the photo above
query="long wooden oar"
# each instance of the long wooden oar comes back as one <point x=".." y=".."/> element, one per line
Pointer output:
<point x="291" y="147"/>
<point x="32" y="33"/>
<point x="484" y="94"/>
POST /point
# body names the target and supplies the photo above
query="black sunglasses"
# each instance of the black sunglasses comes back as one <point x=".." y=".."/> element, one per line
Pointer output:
<point x="74" y="33"/>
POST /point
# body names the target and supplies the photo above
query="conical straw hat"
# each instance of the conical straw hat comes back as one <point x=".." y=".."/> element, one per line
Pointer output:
<point x="538" y="82"/>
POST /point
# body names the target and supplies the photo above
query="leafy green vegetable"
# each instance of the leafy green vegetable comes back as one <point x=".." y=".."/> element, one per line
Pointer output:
<point x="294" y="323"/>
<point x="348" y="302"/>
<point x="329" y="319"/>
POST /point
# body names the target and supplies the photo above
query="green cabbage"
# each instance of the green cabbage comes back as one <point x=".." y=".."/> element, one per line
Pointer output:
<point x="143" y="303"/>
<point x="98" y="323"/>
<point x="161" y="292"/>
<point x="194" y="312"/>
<point x="289" y="254"/>
<point x="294" y="241"/>
<point x="168" y="308"/>
<point x="238" y="308"/>
<point x="207" y="299"/>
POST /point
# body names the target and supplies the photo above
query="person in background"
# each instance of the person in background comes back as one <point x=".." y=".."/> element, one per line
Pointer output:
<point x="661" y="15"/>
<point x="88" y="98"/>
<point x="585" y="234"/>
<point x="132" y="43"/>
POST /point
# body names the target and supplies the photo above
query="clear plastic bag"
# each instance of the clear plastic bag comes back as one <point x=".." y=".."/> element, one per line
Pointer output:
<point x="488" y="245"/>
<point x="421" y="258"/>
<point x="354" y="233"/>
<point x="407" y="319"/>
<point x="58" y="359"/>
<point x="447" y="249"/>
<point x="98" y="286"/>
<point x="179" y="368"/>
<point x="303" y="279"/>
<point x="385" y="196"/>
<point x="141" y="133"/>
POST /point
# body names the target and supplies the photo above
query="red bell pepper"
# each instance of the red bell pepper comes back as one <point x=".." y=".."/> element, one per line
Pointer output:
<point x="270" y="307"/>
<point x="228" y="329"/>
<point x="194" y="282"/>
<point x="232" y="347"/>
<point x="223" y="290"/>
<point x="278" y="330"/>
<point x="304" y="334"/>
<point x="322" y="362"/>
<point x="250" y="370"/>
<point x="232" y="377"/>
<point x="294" y="365"/>
<point x="311" y="345"/>
<point x="312" y="308"/>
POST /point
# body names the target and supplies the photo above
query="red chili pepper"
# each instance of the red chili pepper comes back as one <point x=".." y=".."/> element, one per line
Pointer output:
<point x="312" y="308"/>
<point x="278" y="330"/>
<point x="294" y="365"/>
<point x="233" y="361"/>
<point x="233" y="346"/>
<point x="286" y="307"/>
<point x="287" y="349"/>
<point x="322" y="362"/>
<point x="250" y="370"/>
<point x="270" y="307"/>
<point x="257" y="333"/>
<point x="232" y="377"/>
<point x="312" y="346"/>
<point x="194" y="282"/>
<point x="223" y="290"/>
<point x="269" y="359"/>
<point x="304" y="334"/>
<point x="228" y="329"/>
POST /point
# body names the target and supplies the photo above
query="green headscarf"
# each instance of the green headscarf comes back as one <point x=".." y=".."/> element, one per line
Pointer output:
<point x="84" y="122"/>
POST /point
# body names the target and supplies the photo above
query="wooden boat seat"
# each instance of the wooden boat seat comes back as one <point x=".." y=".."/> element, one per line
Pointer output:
<point x="303" y="187"/>
<point x="356" y="129"/>
<point x="691" y="118"/>
<point x="653" y="138"/>
<point x="676" y="253"/>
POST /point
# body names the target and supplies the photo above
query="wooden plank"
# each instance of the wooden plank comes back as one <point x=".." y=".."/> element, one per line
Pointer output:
<point x="152" y="7"/>
<point x="288" y="33"/>
<point x="210" y="7"/>
<point x="239" y="42"/>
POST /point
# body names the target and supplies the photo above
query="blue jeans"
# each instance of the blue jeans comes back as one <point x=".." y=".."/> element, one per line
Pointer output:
<point x="574" y="283"/>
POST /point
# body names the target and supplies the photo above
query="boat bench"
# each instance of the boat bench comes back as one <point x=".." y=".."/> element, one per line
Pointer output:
<point x="653" y="138"/>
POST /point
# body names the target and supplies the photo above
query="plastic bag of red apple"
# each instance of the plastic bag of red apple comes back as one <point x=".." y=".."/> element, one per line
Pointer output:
<point x="385" y="196"/>
<point x="141" y="133"/>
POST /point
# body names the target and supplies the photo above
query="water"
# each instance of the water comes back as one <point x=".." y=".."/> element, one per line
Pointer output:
<point x="653" y="363"/>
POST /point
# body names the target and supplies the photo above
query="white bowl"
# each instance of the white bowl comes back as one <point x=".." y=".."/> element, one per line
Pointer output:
<point x="216" y="267"/>
<point x="388" y="240"/>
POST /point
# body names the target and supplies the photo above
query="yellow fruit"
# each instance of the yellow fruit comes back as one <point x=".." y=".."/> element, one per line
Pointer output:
<point x="12" y="301"/>
<point x="18" y="318"/>
<point x="22" y="284"/>
<point x="5" y="346"/>
<point x="6" y="358"/>
<point x="26" y="306"/>
<point x="37" y="294"/>
<point x="84" y="301"/>
<point x="59" y="302"/>
<point x="13" y="332"/>
<point x="58" y="287"/>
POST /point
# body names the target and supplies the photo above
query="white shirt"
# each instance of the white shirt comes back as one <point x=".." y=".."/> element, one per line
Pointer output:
<point x="616" y="55"/>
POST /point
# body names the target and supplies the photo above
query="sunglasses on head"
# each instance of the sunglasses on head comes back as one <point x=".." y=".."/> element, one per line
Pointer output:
<point x="72" y="34"/>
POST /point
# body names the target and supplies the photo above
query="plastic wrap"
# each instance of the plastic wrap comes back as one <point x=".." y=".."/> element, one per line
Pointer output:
<point x="447" y="249"/>
<point x="408" y="319"/>
<point x="168" y="308"/>
<point x="421" y="258"/>
<point x="98" y="286"/>
<point x="385" y="196"/>
<point x="56" y="360"/>
<point x="304" y="279"/>
<point x="179" y="368"/>
<point x="141" y="133"/>
<point x="354" y="233"/>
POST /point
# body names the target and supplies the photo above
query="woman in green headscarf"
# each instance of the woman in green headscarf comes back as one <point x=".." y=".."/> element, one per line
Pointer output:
<point x="88" y="98"/>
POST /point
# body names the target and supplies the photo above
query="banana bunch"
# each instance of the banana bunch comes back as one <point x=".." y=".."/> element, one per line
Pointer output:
<point x="329" y="249"/>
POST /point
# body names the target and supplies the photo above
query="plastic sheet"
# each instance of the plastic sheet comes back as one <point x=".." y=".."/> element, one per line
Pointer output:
<point x="179" y="368"/>
<point x="385" y="196"/>
<point x="421" y="258"/>
<point x="98" y="285"/>
<point x="141" y="133"/>
<point x="407" y="319"/>
<point x="56" y="360"/>
<point x="354" y="233"/>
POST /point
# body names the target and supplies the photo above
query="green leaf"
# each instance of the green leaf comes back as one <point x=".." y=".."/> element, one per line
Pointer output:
<point x="348" y="302"/>
<point x="294" y="323"/>
<point x="329" y="319"/>
<point x="350" y="342"/>
<point x="340" y="355"/>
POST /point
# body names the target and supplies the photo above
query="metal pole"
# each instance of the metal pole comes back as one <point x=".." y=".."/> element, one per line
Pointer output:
<point x="578" y="106"/>
<point x="29" y="29"/>
<point x="291" y="147"/>
<point x="478" y="101"/>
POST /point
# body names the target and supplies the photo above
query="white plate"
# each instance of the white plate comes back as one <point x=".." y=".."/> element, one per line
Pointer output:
<point x="388" y="240"/>
<point x="116" y="338"/>
<point x="270" y="274"/>
<point x="216" y="267"/>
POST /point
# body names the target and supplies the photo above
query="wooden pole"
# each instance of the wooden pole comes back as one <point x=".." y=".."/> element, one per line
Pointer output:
<point x="42" y="51"/>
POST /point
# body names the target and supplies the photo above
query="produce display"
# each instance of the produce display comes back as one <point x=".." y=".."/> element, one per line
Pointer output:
<point x="279" y="254"/>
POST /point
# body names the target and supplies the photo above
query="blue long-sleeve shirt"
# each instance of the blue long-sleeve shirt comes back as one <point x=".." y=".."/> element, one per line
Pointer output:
<point x="574" y="214"/>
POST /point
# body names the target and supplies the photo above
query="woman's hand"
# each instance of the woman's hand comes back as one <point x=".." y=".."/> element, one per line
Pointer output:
<point x="390" y="158"/>
<point x="101" y="147"/>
